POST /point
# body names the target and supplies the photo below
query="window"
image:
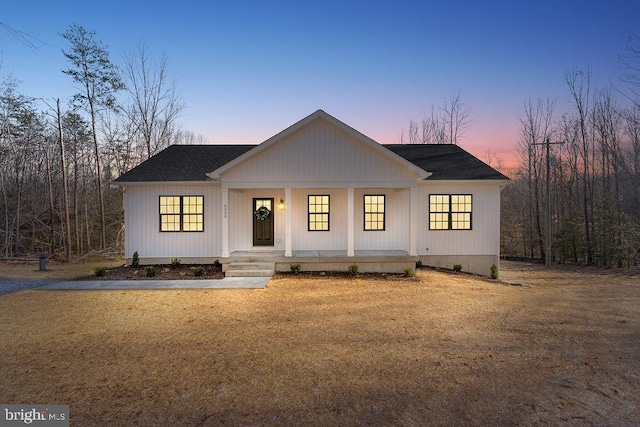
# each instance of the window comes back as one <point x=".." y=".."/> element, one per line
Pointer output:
<point x="373" y="212"/>
<point x="318" y="213"/>
<point x="181" y="213"/>
<point x="450" y="212"/>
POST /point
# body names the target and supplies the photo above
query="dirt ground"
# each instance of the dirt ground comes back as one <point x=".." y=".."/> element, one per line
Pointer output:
<point x="446" y="349"/>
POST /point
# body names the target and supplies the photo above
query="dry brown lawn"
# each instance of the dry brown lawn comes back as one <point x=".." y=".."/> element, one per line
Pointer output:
<point x="442" y="350"/>
<point x="54" y="270"/>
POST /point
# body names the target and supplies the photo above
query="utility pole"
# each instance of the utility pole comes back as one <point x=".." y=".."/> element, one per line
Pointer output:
<point x="548" y="238"/>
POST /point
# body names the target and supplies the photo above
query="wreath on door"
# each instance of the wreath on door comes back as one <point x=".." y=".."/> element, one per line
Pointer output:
<point x="262" y="213"/>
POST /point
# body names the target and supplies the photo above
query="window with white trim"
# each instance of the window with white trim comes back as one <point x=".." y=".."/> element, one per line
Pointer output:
<point x="181" y="213"/>
<point x="450" y="211"/>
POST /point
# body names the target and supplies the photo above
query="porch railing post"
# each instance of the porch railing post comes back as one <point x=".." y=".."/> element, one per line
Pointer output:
<point x="350" y="223"/>
<point x="413" y="216"/>
<point x="288" y="207"/>
<point x="225" y="223"/>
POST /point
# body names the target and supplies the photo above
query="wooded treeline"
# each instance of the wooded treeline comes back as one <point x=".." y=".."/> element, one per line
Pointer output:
<point x="58" y="158"/>
<point x="594" y="175"/>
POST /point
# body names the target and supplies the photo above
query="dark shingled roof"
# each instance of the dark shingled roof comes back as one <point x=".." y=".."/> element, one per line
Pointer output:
<point x="184" y="163"/>
<point x="446" y="161"/>
<point x="192" y="162"/>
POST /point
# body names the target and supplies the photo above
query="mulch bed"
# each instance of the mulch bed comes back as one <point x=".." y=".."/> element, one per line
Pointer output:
<point x="213" y="271"/>
<point x="163" y="272"/>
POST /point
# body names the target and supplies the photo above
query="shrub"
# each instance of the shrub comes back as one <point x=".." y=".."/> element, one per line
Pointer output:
<point x="295" y="268"/>
<point x="100" y="271"/>
<point x="457" y="267"/>
<point x="494" y="271"/>
<point x="419" y="263"/>
<point x="198" y="271"/>
<point x="408" y="272"/>
<point x="353" y="270"/>
<point x="175" y="263"/>
<point x="135" y="260"/>
<point x="217" y="264"/>
<point x="150" y="271"/>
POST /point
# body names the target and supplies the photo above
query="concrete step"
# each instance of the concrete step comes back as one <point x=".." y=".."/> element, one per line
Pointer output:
<point x="249" y="269"/>
<point x="251" y="266"/>
<point x="249" y="273"/>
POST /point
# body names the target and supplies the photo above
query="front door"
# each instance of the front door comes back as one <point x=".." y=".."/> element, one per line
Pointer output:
<point x="262" y="222"/>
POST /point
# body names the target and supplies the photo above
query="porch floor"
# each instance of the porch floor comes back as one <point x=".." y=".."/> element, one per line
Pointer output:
<point x="321" y="256"/>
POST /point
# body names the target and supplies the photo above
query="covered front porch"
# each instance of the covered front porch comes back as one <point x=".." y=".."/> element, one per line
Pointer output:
<point x="368" y="261"/>
<point x="288" y="230"/>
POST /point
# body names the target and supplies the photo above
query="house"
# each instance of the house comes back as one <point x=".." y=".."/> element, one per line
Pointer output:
<point x="319" y="194"/>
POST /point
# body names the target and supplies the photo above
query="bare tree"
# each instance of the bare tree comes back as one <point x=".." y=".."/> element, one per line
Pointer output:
<point x="579" y="84"/>
<point x="413" y="132"/>
<point x="98" y="80"/>
<point x="433" y="128"/>
<point x="632" y="62"/>
<point x="65" y="185"/>
<point x="536" y="126"/>
<point x="445" y="124"/>
<point x="456" y="116"/>
<point x="155" y="107"/>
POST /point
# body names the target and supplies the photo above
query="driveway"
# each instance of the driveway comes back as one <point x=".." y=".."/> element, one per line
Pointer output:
<point x="13" y="285"/>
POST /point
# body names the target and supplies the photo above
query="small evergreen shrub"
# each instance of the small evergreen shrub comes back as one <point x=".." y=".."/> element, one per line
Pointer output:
<point x="135" y="260"/>
<point x="100" y="271"/>
<point x="494" y="271"/>
<point x="175" y="263"/>
<point x="150" y="271"/>
<point x="419" y="263"/>
<point x="457" y="267"/>
<point x="353" y="270"/>
<point x="408" y="272"/>
<point x="295" y="268"/>
<point x="198" y="271"/>
<point x="217" y="264"/>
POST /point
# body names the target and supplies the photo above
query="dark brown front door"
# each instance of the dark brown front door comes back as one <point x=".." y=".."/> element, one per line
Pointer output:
<point x="262" y="222"/>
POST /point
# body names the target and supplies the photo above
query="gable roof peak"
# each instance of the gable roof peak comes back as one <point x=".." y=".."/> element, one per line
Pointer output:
<point x="319" y="114"/>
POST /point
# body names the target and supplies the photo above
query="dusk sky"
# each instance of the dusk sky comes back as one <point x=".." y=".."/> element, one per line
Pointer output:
<point x="247" y="70"/>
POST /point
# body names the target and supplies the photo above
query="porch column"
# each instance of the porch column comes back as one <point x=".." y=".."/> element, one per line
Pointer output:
<point x="413" y="220"/>
<point x="225" y="223"/>
<point x="350" y="223"/>
<point x="288" y="207"/>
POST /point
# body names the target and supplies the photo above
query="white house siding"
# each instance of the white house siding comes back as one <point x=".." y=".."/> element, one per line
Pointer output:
<point x="336" y="237"/>
<point x="241" y="218"/>
<point x="475" y="249"/>
<point x="318" y="153"/>
<point x="142" y="217"/>
<point x="396" y="233"/>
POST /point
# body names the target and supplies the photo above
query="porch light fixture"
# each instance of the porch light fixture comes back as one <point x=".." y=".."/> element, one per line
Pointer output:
<point x="281" y="204"/>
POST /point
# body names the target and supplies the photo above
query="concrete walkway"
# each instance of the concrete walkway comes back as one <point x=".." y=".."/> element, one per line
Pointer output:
<point x="226" y="283"/>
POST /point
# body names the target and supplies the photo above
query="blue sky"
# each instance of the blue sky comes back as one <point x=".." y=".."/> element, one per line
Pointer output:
<point x="247" y="70"/>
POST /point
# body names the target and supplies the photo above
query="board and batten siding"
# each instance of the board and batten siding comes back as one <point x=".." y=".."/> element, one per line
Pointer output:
<point x="142" y="223"/>
<point x="336" y="237"/>
<point x="318" y="153"/>
<point x="395" y="236"/>
<point x="241" y="219"/>
<point x="483" y="239"/>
